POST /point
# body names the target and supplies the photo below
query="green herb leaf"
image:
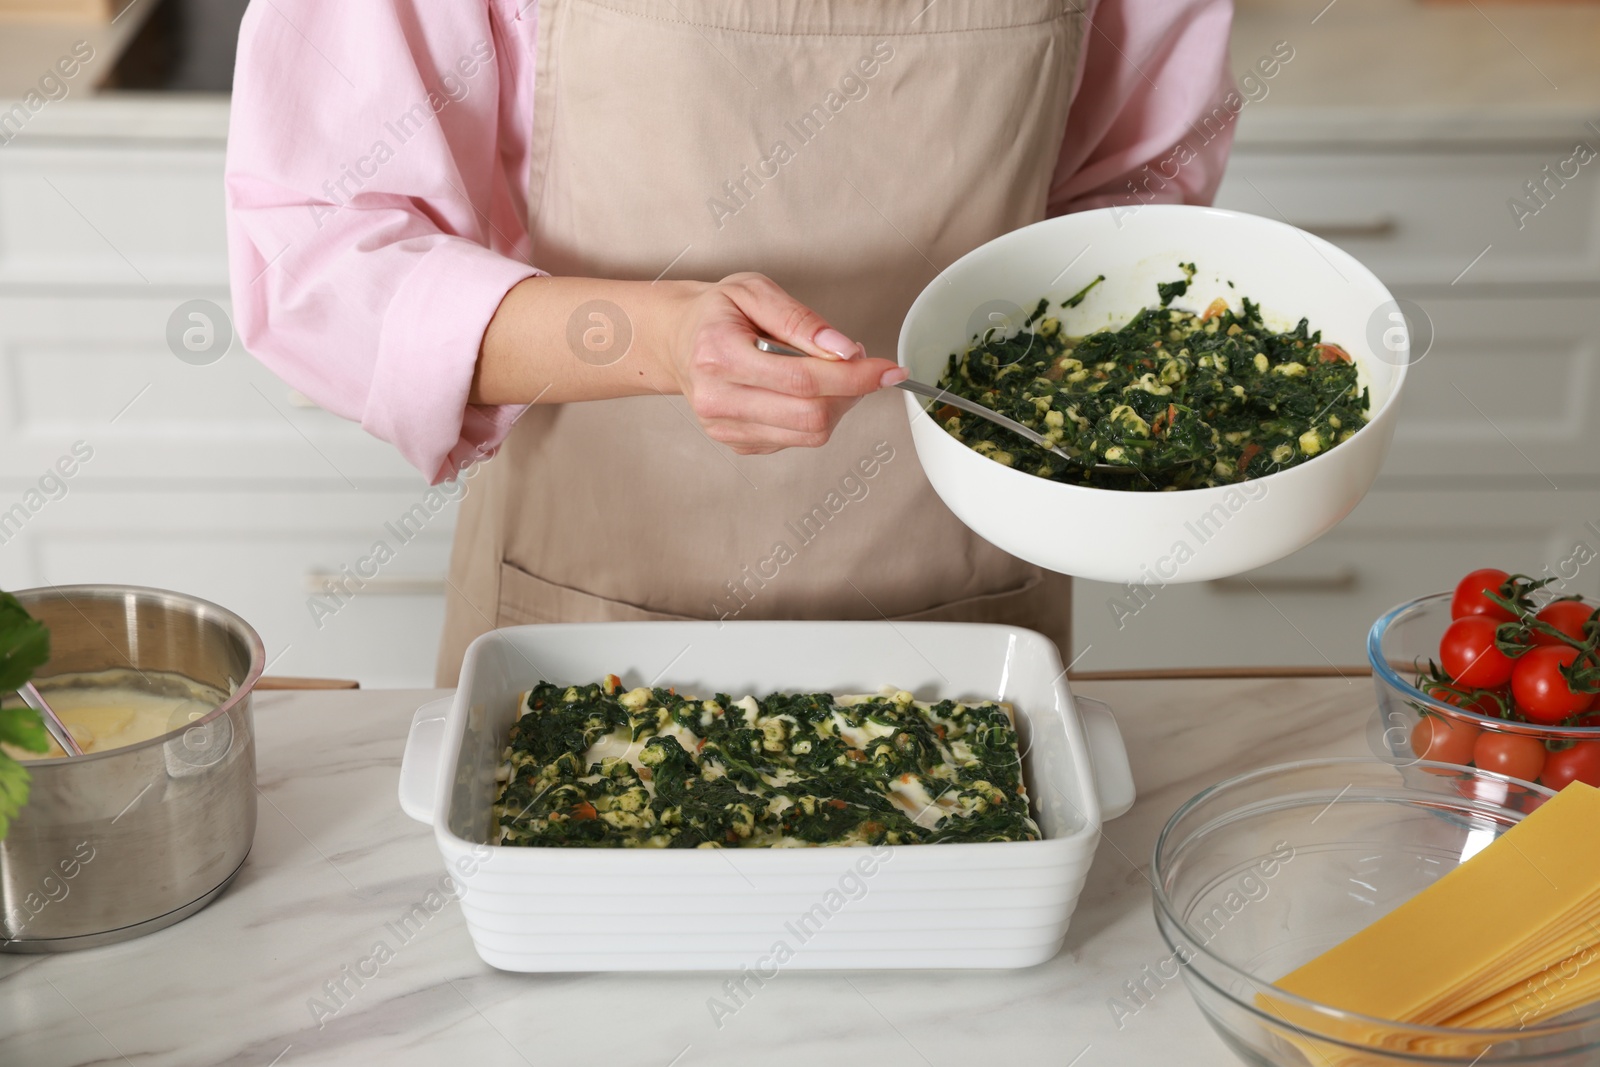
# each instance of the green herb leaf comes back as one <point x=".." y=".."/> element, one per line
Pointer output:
<point x="24" y="644"/>
<point x="13" y="791"/>
<point x="1167" y="290"/>
<point x="1077" y="298"/>
<point x="22" y="727"/>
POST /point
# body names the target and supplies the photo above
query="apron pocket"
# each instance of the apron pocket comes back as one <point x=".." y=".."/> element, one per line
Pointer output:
<point x="527" y="598"/>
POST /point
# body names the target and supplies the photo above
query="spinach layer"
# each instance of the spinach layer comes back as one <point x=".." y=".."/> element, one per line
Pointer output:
<point x="1188" y="399"/>
<point x="788" y="769"/>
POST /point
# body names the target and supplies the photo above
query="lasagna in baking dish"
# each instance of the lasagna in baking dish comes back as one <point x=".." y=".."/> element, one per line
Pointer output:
<point x="601" y="767"/>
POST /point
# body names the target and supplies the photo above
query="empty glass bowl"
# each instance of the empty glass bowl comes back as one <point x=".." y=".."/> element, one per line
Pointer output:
<point x="1263" y="872"/>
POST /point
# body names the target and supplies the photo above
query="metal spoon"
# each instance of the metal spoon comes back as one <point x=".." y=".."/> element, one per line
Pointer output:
<point x="52" y="722"/>
<point x="935" y="393"/>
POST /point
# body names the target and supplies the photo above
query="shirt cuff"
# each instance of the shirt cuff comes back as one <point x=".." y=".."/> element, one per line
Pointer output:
<point x="427" y="353"/>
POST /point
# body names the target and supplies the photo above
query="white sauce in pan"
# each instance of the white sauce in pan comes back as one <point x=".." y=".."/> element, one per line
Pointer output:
<point x="104" y="717"/>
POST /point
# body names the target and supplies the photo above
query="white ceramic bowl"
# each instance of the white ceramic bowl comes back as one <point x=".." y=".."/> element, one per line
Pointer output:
<point x="1187" y="536"/>
<point x="997" y="904"/>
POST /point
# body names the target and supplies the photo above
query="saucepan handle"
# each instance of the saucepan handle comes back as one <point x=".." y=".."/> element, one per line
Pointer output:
<point x="1113" y="778"/>
<point x="419" y="766"/>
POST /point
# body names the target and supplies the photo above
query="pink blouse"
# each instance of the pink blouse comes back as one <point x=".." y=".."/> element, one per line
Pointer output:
<point x="377" y="185"/>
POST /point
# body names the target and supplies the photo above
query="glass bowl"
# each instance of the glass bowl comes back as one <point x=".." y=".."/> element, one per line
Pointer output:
<point x="1408" y="637"/>
<point x="1261" y="873"/>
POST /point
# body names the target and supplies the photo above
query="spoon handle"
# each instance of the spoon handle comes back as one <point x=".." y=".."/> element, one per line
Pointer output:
<point x="935" y="393"/>
<point x="58" y="729"/>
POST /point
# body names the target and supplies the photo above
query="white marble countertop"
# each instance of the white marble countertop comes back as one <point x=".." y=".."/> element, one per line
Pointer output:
<point x="335" y="862"/>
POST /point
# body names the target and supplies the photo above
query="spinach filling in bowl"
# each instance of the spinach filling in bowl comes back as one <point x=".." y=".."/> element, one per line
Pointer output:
<point x="1188" y="399"/>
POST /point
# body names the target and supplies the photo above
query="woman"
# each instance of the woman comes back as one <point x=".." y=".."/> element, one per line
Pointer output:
<point x="498" y="225"/>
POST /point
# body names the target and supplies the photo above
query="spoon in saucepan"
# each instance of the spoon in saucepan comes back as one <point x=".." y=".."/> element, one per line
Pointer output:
<point x="933" y="392"/>
<point x="52" y="722"/>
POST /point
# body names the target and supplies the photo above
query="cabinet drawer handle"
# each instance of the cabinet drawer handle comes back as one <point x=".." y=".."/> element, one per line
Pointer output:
<point x="1382" y="226"/>
<point x="1337" y="582"/>
<point x="317" y="581"/>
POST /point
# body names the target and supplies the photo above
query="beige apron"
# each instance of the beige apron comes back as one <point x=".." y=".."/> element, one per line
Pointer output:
<point x="849" y="151"/>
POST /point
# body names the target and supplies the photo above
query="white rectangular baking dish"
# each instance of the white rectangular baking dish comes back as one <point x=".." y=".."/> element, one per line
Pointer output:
<point x="961" y="905"/>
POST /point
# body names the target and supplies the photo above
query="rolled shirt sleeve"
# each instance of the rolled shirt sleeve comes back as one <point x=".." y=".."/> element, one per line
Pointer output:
<point x="377" y="160"/>
<point x="1153" y="114"/>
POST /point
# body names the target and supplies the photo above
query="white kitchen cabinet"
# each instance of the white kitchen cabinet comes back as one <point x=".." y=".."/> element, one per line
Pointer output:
<point x="79" y="365"/>
<point x="267" y="555"/>
<point x="1509" y="390"/>
<point x="1425" y="216"/>
<point x="1316" y="607"/>
<point x="216" y="480"/>
<point x="81" y="215"/>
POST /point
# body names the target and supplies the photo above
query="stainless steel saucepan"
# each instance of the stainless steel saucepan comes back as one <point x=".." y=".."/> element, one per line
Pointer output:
<point x="116" y="844"/>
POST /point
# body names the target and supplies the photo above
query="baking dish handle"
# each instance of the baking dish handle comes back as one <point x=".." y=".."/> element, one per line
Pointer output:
<point x="1113" y="778"/>
<point x="419" y="766"/>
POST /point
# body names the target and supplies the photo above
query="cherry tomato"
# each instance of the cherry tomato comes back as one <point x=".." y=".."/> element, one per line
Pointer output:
<point x="1444" y="740"/>
<point x="1513" y="755"/>
<point x="1568" y="616"/>
<point x="1580" y="763"/>
<point x="1539" y="688"/>
<point x="1469" y="655"/>
<point x="1469" y="598"/>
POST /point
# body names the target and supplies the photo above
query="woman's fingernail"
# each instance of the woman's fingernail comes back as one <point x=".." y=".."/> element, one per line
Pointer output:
<point x="894" y="376"/>
<point x="837" y="343"/>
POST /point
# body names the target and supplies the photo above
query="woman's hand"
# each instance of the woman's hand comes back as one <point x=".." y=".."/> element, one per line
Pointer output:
<point x="756" y="402"/>
<point x="689" y="337"/>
